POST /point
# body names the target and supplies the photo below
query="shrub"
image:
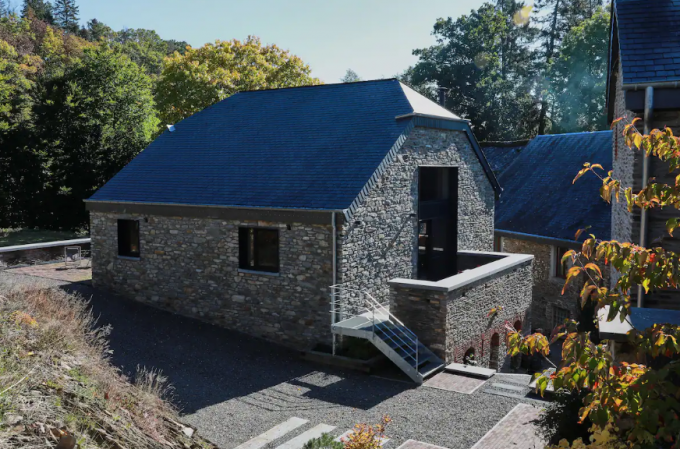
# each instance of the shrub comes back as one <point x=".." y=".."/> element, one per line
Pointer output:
<point x="560" y="421"/>
<point x="325" y="441"/>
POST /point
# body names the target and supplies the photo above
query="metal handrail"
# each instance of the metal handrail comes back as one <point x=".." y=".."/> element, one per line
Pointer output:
<point x="372" y="305"/>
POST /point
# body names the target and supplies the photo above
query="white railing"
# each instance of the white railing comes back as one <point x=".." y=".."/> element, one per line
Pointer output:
<point x="347" y="303"/>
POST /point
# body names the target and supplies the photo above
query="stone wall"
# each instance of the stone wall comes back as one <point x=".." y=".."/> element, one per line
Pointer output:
<point x="380" y="242"/>
<point x="451" y="320"/>
<point x="627" y="165"/>
<point x="191" y="266"/>
<point x="547" y="289"/>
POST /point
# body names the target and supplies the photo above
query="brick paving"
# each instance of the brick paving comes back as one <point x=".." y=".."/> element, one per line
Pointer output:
<point x="454" y="382"/>
<point x="516" y="430"/>
<point x="57" y="271"/>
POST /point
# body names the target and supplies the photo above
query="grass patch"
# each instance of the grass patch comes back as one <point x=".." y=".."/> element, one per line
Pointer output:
<point x="57" y="384"/>
<point x="19" y="236"/>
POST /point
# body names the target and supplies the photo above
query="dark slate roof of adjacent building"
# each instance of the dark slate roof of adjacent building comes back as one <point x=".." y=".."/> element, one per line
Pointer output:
<point x="298" y="148"/>
<point x="649" y="40"/>
<point x="501" y="154"/>
<point x="538" y="195"/>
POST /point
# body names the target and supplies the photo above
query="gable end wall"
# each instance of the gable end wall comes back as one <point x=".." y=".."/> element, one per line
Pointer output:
<point x="380" y="241"/>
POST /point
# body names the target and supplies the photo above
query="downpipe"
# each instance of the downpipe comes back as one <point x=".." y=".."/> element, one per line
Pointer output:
<point x="335" y="280"/>
<point x="649" y="111"/>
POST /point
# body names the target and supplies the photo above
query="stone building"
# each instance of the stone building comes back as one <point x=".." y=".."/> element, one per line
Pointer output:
<point x="246" y="213"/>
<point x="541" y="210"/>
<point x="643" y="81"/>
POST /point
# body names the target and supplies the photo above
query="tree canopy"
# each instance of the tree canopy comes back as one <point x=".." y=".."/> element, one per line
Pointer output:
<point x="200" y="77"/>
<point x="76" y="105"/>
<point x="497" y="66"/>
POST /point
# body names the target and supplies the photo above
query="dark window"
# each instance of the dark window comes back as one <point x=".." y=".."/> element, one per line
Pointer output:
<point x="259" y="249"/>
<point x="128" y="238"/>
<point x="559" y="315"/>
<point x="560" y="268"/>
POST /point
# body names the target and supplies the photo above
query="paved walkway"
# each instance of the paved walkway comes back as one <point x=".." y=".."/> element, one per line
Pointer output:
<point x="516" y="430"/>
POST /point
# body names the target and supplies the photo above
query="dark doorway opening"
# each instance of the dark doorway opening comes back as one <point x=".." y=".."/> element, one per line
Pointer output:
<point x="437" y="222"/>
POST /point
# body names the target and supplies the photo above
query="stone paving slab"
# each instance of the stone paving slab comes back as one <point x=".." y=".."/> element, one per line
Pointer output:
<point x="56" y="271"/>
<point x="516" y="430"/>
<point x="413" y="444"/>
<point x="455" y="382"/>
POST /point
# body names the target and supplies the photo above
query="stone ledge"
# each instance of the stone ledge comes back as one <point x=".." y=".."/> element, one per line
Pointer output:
<point x="484" y="272"/>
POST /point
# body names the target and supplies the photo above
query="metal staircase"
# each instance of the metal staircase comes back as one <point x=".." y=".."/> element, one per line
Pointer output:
<point x="356" y="313"/>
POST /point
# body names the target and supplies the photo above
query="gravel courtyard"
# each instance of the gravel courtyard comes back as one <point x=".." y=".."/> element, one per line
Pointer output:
<point x="233" y="387"/>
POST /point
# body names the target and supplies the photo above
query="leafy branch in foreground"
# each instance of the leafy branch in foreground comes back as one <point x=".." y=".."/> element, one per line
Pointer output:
<point x="635" y="402"/>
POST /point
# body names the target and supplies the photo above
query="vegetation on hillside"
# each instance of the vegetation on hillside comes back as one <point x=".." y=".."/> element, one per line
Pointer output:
<point x="77" y="104"/>
<point x="57" y="385"/>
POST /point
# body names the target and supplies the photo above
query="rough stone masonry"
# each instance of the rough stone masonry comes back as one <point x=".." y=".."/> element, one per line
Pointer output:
<point x="191" y="265"/>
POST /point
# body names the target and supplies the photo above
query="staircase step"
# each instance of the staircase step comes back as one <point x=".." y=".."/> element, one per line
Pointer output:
<point x="430" y="369"/>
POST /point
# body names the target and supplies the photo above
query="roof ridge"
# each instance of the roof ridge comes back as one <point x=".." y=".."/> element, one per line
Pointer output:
<point x="572" y="134"/>
<point x="315" y="85"/>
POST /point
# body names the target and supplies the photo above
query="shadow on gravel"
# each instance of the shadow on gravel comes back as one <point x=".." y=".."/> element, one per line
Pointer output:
<point x="207" y="364"/>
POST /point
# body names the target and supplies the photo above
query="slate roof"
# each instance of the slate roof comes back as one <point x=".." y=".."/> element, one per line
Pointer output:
<point x="538" y="195"/>
<point x="501" y="154"/>
<point x="649" y="40"/>
<point x="298" y="148"/>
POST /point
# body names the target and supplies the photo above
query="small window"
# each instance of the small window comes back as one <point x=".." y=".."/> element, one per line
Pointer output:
<point x="559" y="315"/>
<point x="128" y="238"/>
<point x="259" y="249"/>
<point x="560" y="268"/>
<point x="497" y="243"/>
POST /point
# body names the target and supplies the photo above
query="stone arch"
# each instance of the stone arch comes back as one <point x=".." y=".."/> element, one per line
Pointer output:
<point x="494" y="353"/>
<point x="470" y="358"/>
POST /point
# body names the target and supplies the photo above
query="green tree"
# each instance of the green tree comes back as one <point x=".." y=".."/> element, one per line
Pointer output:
<point x="578" y="77"/>
<point x="5" y="9"/>
<point x="66" y="15"/>
<point x="40" y="9"/>
<point x="91" y="122"/>
<point x="485" y="62"/>
<point x="96" y="31"/>
<point x="350" y="77"/>
<point x="144" y="47"/>
<point x="635" y="402"/>
<point x="206" y="75"/>
<point x="554" y="19"/>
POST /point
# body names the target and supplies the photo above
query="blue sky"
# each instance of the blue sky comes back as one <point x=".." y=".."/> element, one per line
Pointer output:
<point x="373" y="37"/>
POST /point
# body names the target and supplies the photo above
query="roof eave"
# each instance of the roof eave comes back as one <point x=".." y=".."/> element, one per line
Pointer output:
<point x="216" y="206"/>
<point x="436" y="117"/>
<point x="654" y="84"/>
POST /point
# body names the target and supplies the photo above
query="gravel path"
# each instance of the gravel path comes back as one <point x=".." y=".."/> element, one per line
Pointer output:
<point x="233" y="387"/>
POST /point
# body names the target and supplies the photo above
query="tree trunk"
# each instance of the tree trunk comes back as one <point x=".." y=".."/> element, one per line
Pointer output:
<point x="548" y="57"/>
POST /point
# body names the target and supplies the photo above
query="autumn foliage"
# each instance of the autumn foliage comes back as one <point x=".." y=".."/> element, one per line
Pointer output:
<point x="632" y="404"/>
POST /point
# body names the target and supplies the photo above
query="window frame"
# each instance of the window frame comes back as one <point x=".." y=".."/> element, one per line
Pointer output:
<point x="557" y="310"/>
<point x="125" y="245"/>
<point x="559" y="269"/>
<point x="249" y="250"/>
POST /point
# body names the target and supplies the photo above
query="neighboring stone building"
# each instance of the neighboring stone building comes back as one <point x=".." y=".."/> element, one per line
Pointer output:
<point x="643" y="81"/>
<point x="246" y="213"/>
<point x="541" y="209"/>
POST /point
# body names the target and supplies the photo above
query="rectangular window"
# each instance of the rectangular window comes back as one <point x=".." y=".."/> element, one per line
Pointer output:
<point x="559" y="315"/>
<point x="259" y="249"/>
<point x="560" y="268"/>
<point x="128" y="238"/>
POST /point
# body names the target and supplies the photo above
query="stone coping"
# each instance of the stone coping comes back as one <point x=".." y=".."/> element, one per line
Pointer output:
<point x="489" y="270"/>
<point x="11" y="249"/>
